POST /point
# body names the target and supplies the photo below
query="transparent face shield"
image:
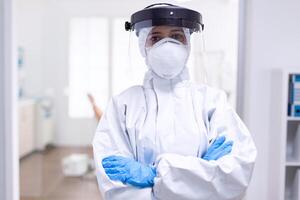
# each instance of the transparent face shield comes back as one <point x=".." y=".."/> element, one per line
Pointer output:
<point x="144" y="40"/>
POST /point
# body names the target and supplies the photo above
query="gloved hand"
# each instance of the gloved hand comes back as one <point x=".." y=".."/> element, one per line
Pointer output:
<point x="129" y="171"/>
<point x="218" y="149"/>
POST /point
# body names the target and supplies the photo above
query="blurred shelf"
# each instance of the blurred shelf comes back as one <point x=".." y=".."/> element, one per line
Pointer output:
<point x="292" y="163"/>
<point x="293" y="119"/>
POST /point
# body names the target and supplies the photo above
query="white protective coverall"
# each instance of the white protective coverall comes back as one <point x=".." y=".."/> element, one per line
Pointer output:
<point x="170" y="124"/>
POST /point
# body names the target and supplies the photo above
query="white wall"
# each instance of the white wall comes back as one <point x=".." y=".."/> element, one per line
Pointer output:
<point x="272" y="41"/>
<point x="29" y="36"/>
<point x="43" y="31"/>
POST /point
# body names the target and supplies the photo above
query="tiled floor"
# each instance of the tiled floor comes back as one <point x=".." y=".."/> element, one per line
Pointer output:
<point x="41" y="177"/>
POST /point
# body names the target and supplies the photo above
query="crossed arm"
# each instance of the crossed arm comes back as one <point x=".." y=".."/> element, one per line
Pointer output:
<point x="129" y="171"/>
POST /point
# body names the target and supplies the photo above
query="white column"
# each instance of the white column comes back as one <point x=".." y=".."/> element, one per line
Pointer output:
<point x="240" y="88"/>
<point x="9" y="162"/>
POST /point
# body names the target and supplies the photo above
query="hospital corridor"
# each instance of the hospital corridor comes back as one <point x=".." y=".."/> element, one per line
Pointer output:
<point x="149" y="100"/>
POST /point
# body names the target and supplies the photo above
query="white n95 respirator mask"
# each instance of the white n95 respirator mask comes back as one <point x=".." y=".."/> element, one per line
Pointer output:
<point x="167" y="58"/>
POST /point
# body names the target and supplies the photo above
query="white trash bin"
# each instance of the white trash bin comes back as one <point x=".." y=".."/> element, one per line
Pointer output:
<point x="75" y="165"/>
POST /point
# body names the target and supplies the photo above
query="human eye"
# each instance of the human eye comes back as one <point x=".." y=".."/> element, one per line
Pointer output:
<point x="155" y="39"/>
<point x="152" y="39"/>
<point x="179" y="37"/>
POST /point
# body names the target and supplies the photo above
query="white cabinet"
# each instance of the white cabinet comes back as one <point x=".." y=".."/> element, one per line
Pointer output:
<point x="44" y="124"/>
<point x="26" y="127"/>
<point x="284" y="143"/>
<point x="36" y="127"/>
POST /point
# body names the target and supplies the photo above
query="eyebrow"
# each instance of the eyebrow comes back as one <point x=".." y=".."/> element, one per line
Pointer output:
<point x="155" y="33"/>
<point x="177" y="30"/>
<point x="173" y="30"/>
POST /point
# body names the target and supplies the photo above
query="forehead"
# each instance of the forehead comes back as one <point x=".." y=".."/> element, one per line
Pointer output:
<point x="165" y="29"/>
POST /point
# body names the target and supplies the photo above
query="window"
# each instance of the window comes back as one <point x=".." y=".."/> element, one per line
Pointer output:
<point x="88" y="65"/>
<point x="128" y="66"/>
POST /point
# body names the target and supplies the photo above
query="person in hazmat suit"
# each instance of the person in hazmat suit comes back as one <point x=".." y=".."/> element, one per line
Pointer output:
<point x="169" y="138"/>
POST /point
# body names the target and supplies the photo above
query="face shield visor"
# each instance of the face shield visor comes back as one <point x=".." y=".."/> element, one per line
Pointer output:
<point x="167" y="39"/>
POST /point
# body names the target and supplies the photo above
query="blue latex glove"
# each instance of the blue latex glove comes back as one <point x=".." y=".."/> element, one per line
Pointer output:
<point x="129" y="171"/>
<point x="218" y="149"/>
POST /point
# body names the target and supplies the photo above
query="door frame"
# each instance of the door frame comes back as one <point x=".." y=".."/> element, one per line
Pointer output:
<point x="9" y="159"/>
<point x="241" y="69"/>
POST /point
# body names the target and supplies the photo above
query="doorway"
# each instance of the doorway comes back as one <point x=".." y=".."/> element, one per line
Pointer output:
<point x="45" y="80"/>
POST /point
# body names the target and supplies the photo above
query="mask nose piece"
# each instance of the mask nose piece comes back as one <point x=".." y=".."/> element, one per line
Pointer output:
<point x="172" y="42"/>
